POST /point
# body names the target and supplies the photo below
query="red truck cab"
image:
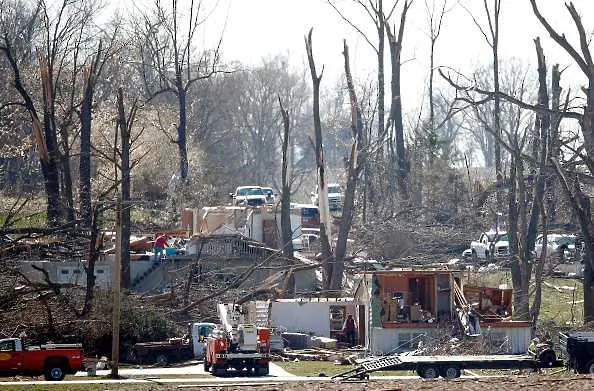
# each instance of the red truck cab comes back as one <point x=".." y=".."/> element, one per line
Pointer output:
<point x="53" y="361"/>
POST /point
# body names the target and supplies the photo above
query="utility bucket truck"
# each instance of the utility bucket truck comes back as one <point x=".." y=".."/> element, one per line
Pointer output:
<point x="237" y="345"/>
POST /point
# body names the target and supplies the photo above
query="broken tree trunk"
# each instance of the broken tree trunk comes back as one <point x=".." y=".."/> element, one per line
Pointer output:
<point x="355" y="164"/>
<point x="286" y="229"/>
<point x="325" y="234"/>
<point x="401" y="166"/>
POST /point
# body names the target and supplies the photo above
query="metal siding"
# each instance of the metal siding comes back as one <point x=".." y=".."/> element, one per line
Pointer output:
<point x="384" y="341"/>
<point x="519" y="338"/>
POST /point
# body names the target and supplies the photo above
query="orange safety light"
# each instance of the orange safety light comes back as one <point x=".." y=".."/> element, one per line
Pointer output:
<point x="264" y="337"/>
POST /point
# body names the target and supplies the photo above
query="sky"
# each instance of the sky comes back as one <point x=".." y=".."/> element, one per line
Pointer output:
<point x="256" y="29"/>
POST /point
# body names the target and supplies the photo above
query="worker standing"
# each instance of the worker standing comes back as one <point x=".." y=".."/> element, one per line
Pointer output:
<point x="348" y="328"/>
<point x="159" y="248"/>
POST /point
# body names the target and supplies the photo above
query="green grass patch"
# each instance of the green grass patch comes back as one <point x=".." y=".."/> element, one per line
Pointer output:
<point x="313" y="368"/>
<point x="33" y="214"/>
<point x="565" y="307"/>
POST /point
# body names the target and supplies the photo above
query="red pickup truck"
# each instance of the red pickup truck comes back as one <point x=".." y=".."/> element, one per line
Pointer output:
<point x="53" y="361"/>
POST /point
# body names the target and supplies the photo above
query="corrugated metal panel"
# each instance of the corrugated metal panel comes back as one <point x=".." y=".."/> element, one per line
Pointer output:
<point x="518" y="338"/>
<point x="385" y="341"/>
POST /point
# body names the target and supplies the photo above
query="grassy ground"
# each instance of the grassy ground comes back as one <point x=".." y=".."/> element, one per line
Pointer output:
<point x="33" y="214"/>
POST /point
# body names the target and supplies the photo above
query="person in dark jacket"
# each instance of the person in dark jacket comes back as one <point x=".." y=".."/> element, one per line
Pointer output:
<point x="349" y="328"/>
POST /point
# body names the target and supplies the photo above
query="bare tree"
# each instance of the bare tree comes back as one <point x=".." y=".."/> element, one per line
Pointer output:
<point x="92" y="67"/>
<point x="397" y="150"/>
<point x="44" y="135"/>
<point x="579" y="201"/>
<point x="256" y="122"/>
<point x="286" y="229"/>
<point x="125" y="123"/>
<point x="166" y="42"/>
<point x="435" y="20"/>
<point x="375" y="10"/>
<point x="526" y="211"/>
<point x="425" y="142"/>
<point x="527" y="184"/>
<point x="66" y="34"/>
<point x="355" y="164"/>
<point x="328" y="259"/>
<point x="491" y="35"/>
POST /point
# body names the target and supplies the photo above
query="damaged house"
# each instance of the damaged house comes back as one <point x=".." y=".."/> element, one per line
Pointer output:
<point x="406" y="304"/>
<point x="225" y="241"/>
<point x="396" y="309"/>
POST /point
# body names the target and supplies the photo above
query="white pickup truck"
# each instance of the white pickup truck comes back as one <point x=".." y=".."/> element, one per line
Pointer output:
<point x="491" y="241"/>
<point x="335" y="196"/>
<point x="248" y="196"/>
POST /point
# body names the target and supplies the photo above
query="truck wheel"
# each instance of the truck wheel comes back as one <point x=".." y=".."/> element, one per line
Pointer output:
<point x="450" y="372"/>
<point x="547" y="357"/>
<point x="428" y="372"/>
<point x="590" y="367"/>
<point x="162" y="359"/>
<point x="54" y="373"/>
<point x="220" y="371"/>
<point x="262" y="370"/>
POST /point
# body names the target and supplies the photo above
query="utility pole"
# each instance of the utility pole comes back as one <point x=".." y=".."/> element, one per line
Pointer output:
<point x="117" y="273"/>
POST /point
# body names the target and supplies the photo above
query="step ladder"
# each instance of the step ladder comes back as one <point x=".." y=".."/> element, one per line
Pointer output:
<point x="366" y="367"/>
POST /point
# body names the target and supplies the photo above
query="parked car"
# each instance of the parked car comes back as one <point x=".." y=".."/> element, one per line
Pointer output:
<point x="562" y="245"/>
<point x="248" y="196"/>
<point x="335" y="196"/>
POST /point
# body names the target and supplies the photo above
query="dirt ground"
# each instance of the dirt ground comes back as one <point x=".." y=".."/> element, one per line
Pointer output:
<point x="531" y="383"/>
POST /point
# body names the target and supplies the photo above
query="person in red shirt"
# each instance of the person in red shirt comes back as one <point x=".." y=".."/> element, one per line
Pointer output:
<point x="159" y="248"/>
